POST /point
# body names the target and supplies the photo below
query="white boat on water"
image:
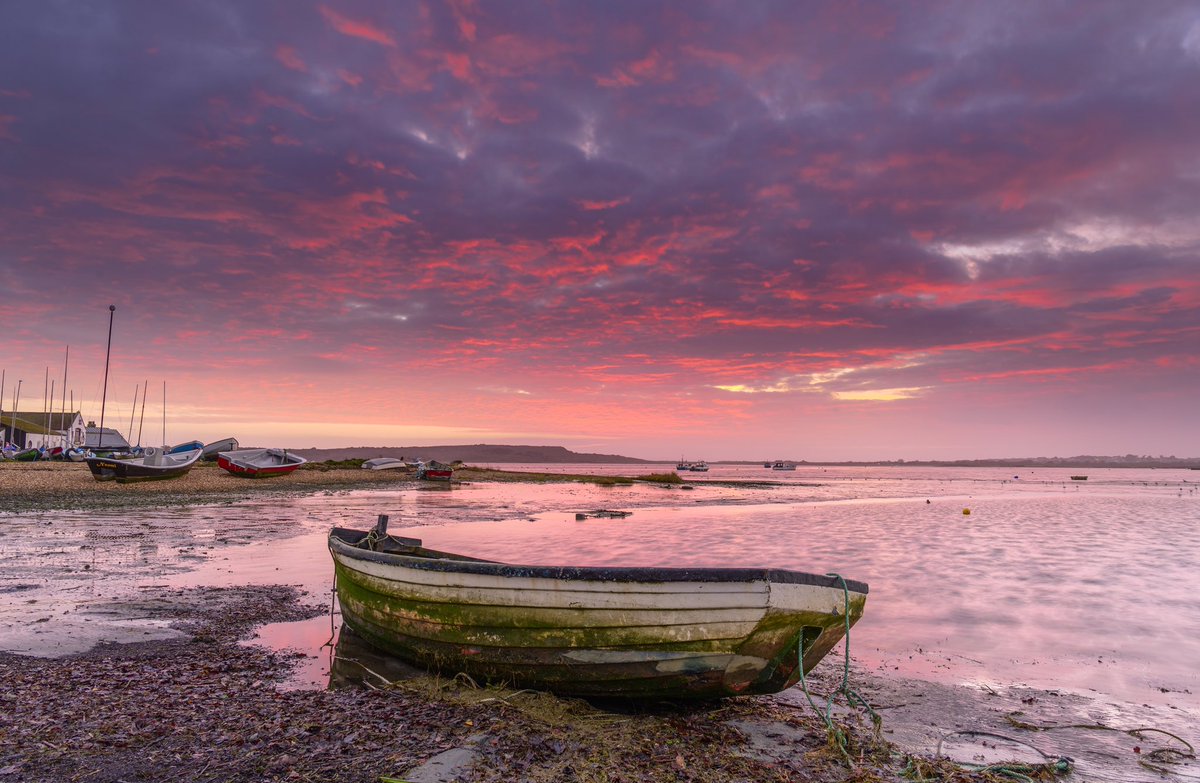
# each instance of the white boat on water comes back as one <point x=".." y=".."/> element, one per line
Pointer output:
<point x="782" y="465"/>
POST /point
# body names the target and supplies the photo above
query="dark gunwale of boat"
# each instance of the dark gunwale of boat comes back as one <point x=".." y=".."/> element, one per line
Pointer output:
<point x="409" y="553"/>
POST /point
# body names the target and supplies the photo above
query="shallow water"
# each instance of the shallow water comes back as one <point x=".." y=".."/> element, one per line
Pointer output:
<point x="1083" y="587"/>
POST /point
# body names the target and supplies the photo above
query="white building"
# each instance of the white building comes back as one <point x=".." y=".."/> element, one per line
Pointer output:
<point x="28" y="430"/>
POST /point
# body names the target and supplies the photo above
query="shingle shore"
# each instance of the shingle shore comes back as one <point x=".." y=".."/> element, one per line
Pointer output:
<point x="43" y="485"/>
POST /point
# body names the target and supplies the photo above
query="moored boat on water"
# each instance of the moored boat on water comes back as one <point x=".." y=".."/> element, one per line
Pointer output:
<point x="153" y="464"/>
<point x="783" y="465"/>
<point x="259" y="463"/>
<point x="605" y="632"/>
<point x="699" y="467"/>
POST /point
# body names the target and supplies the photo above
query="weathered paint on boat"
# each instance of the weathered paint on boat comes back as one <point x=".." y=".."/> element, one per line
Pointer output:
<point x="604" y="632"/>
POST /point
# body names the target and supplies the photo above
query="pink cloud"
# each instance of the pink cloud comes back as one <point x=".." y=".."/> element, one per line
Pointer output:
<point x="290" y="58"/>
<point x="356" y="28"/>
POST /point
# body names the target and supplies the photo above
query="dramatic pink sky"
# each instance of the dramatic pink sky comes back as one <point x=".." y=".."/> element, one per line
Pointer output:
<point x="843" y="230"/>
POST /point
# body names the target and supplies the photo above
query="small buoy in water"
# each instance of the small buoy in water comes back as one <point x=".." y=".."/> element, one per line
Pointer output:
<point x="927" y="502"/>
<point x="966" y="512"/>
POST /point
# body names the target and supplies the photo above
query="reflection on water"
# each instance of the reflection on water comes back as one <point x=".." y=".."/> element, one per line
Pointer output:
<point x="342" y="660"/>
<point x="1086" y="587"/>
<point x="354" y="663"/>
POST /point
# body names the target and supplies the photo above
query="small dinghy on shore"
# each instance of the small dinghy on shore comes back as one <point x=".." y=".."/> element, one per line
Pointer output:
<point x="602" y="632"/>
<point x="153" y="464"/>
<point x="259" y="463"/>
<point x="211" y="450"/>
<point x="384" y="463"/>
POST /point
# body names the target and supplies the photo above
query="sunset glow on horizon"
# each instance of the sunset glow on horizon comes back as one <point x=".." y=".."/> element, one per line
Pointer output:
<point x="819" y="231"/>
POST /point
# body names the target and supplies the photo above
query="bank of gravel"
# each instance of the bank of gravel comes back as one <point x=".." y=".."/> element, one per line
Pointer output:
<point x="36" y="486"/>
<point x="206" y="708"/>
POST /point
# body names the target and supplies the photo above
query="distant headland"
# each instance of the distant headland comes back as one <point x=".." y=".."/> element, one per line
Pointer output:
<point x="482" y="453"/>
<point x="473" y="454"/>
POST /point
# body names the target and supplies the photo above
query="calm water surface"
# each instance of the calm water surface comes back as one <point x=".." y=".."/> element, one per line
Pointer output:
<point x="1081" y="586"/>
<point x="1086" y="586"/>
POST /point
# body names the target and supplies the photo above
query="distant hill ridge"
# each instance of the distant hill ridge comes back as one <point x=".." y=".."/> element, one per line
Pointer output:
<point x="483" y="454"/>
<point x="479" y="453"/>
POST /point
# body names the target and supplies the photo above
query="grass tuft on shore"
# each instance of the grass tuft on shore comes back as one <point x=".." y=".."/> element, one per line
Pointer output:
<point x="662" y="478"/>
<point x="333" y="464"/>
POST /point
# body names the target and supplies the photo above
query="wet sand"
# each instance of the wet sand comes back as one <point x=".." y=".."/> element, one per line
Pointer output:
<point x="167" y="690"/>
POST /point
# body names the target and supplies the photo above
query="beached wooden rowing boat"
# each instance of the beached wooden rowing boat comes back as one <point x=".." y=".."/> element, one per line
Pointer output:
<point x="153" y="464"/>
<point x="601" y="632"/>
<point x="259" y="463"/>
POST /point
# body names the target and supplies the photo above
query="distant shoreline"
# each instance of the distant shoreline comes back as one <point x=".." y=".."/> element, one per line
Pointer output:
<point x="497" y="454"/>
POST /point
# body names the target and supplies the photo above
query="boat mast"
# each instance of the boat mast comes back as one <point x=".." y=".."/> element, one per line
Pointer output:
<point x="62" y="422"/>
<point x="104" y="395"/>
<point x="45" y="406"/>
<point x="164" y="415"/>
<point x="142" y="420"/>
<point x="12" y="429"/>
<point x="133" y="410"/>
<point x="3" y="377"/>
<point x="49" y="417"/>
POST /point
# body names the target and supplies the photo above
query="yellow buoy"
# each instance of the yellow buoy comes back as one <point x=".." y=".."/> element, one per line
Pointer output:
<point x="966" y="512"/>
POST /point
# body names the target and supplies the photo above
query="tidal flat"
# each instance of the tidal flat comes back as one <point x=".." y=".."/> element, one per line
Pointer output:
<point x="187" y="631"/>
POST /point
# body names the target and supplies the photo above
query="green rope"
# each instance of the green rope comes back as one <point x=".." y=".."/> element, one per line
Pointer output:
<point x="1058" y="765"/>
<point x="837" y="736"/>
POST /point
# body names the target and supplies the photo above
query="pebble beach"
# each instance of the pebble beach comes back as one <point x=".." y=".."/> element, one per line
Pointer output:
<point x="47" y="485"/>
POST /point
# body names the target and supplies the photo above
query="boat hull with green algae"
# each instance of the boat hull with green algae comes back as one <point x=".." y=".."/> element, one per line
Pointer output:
<point x="597" y="632"/>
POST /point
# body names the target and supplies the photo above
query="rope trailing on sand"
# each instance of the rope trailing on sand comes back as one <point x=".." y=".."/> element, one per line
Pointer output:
<point x="1026" y="773"/>
<point x="1152" y="761"/>
<point x="837" y="736"/>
